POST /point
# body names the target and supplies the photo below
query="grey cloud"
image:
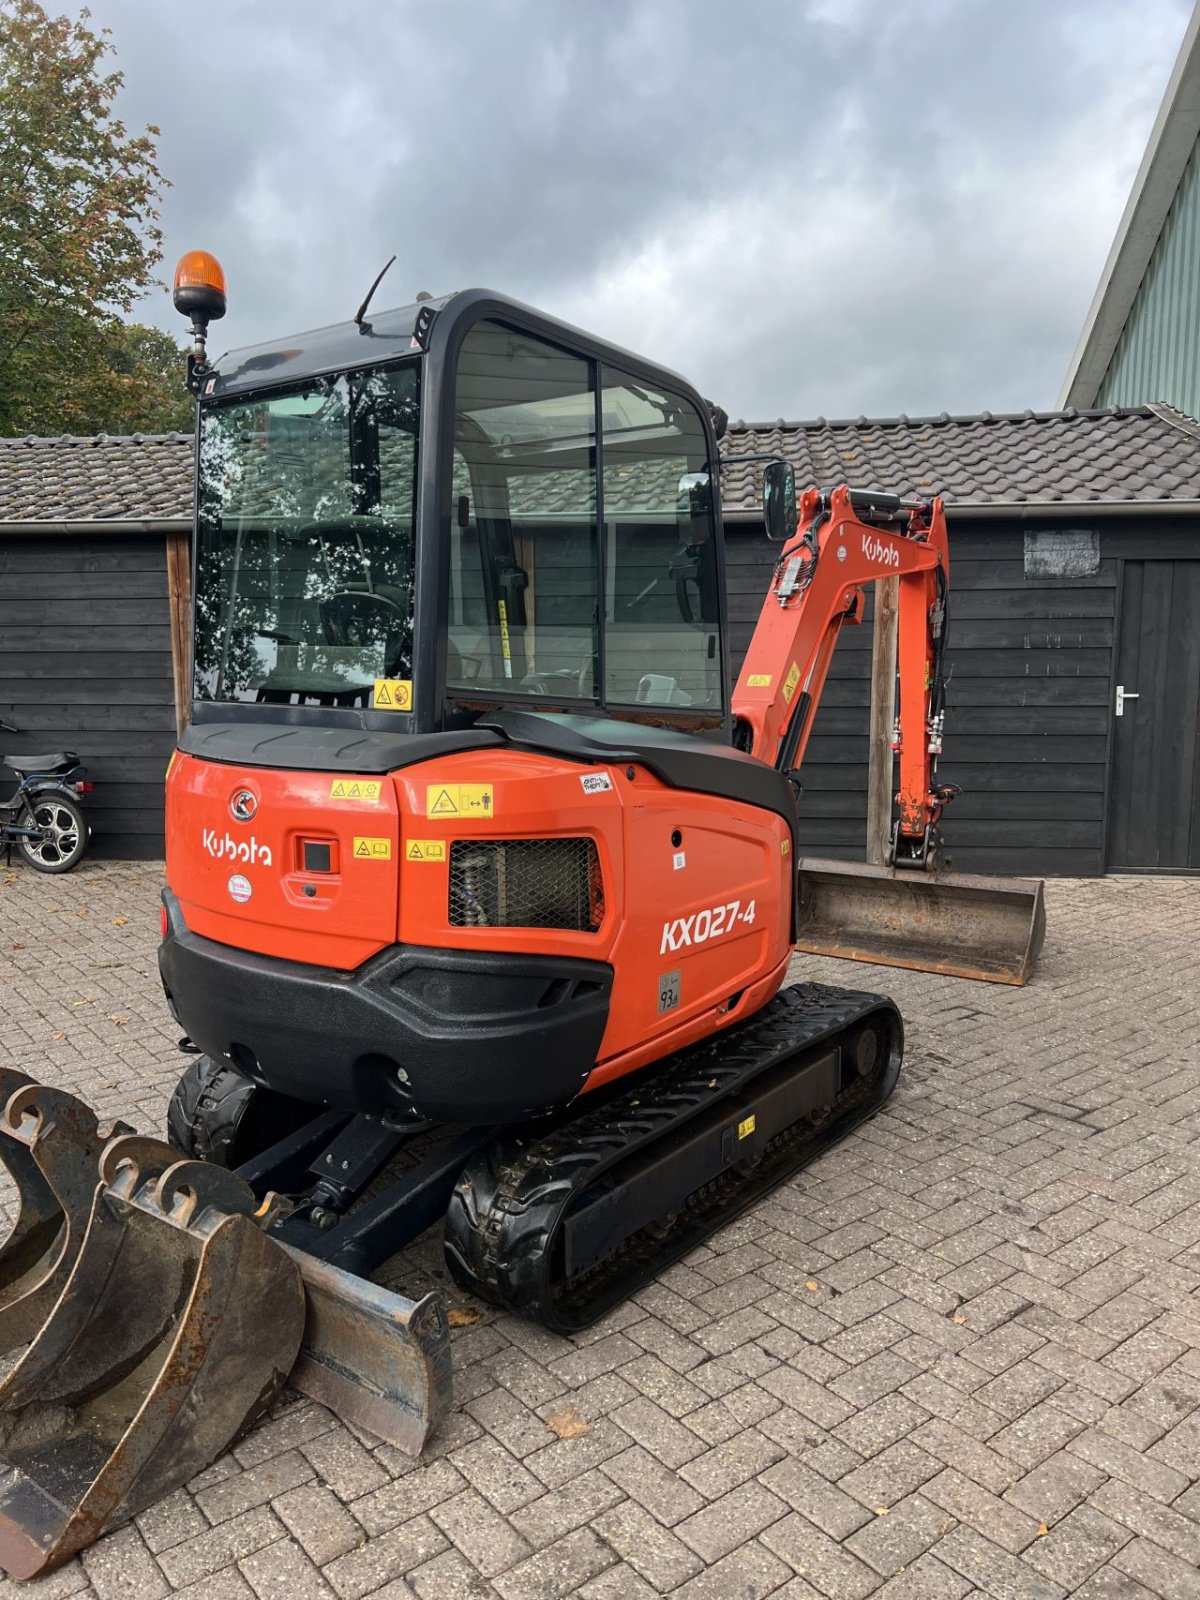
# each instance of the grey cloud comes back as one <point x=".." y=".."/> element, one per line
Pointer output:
<point x="832" y="207"/>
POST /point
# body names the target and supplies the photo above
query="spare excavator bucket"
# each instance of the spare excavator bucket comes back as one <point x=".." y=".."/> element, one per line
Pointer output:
<point x="176" y="1327"/>
<point x="373" y="1357"/>
<point x="962" y="924"/>
<point x="50" y="1144"/>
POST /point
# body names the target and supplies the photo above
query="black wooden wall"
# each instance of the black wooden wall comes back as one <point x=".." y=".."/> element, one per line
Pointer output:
<point x="85" y="664"/>
<point x="1029" y="703"/>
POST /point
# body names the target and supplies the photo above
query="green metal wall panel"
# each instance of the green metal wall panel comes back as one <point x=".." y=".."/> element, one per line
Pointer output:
<point x="1158" y="354"/>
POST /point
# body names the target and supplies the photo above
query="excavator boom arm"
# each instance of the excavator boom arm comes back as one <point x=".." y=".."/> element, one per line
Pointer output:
<point x="845" y="539"/>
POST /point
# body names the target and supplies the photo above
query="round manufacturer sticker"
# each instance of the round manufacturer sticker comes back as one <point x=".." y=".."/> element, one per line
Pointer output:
<point x="240" y="889"/>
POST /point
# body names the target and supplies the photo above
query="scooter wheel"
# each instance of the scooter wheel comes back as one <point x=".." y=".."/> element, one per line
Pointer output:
<point x="65" y="833"/>
<point x="218" y="1115"/>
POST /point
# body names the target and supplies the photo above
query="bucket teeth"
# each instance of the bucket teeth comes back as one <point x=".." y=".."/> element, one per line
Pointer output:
<point x="50" y="1143"/>
<point x="176" y="1322"/>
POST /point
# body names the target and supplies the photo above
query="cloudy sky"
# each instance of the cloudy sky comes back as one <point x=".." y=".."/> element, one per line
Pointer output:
<point x="808" y="206"/>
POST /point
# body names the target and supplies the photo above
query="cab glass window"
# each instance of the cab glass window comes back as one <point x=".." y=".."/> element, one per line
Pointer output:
<point x="662" y="636"/>
<point x="524" y="568"/>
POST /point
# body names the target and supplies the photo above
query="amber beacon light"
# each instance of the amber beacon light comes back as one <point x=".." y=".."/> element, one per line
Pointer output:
<point x="199" y="293"/>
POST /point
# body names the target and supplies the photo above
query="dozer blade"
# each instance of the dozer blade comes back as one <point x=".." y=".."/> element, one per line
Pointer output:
<point x="176" y="1328"/>
<point x="50" y="1144"/>
<point x="371" y="1356"/>
<point x="959" y="923"/>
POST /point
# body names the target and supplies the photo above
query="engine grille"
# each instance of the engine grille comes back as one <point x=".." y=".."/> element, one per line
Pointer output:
<point x="526" y="883"/>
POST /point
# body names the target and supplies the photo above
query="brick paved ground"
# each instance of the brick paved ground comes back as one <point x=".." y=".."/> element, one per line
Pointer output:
<point x="960" y="1355"/>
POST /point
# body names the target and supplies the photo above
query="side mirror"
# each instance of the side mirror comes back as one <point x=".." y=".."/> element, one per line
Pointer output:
<point x="780" y="508"/>
<point x="780" y="511"/>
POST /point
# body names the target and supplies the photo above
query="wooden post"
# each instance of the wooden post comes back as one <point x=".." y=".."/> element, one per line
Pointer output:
<point x="883" y="713"/>
<point x="179" y="602"/>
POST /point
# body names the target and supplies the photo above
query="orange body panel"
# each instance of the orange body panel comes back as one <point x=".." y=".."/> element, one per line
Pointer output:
<point x="697" y="931"/>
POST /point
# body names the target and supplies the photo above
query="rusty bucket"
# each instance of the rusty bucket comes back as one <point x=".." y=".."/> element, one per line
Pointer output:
<point x="176" y="1327"/>
<point x="50" y="1145"/>
<point x="963" y="924"/>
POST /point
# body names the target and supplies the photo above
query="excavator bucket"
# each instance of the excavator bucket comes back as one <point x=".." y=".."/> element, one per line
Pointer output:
<point x="50" y="1144"/>
<point x="177" y="1325"/>
<point x="959" y="923"/>
<point x="373" y="1357"/>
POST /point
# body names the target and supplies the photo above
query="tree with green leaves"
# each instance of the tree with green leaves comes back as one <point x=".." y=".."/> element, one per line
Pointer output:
<point x="79" y="239"/>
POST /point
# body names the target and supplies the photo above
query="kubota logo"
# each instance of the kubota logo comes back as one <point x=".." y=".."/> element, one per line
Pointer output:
<point x="875" y="550"/>
<point x="243" y="805"/>
<point x="228" y="848"/>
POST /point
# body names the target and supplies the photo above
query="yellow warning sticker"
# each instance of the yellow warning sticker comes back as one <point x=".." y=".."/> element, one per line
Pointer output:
<point x="785" y="847"/>
<point x="372" y="849"/>
<point x="425" y="850"/>
<point x="392" y="694"/>
<point x="746" y="1127"/>
<point x="458" y="800"/>
<point x="368" y="789"/>
<point x="759" y="680"/>
<point x="790" y="682"/>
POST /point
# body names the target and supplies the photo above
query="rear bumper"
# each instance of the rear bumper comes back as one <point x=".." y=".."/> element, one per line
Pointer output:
<point x="454" y="1035"/>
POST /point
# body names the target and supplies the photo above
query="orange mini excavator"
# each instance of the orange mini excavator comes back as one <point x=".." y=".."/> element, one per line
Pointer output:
<point x="478" y="872"/>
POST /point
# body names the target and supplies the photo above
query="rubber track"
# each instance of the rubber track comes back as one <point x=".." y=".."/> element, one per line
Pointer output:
<point x="512" y="1197"/>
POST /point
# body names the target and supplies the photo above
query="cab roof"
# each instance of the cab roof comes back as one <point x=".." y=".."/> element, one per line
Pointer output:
<point x="388" y="335"/>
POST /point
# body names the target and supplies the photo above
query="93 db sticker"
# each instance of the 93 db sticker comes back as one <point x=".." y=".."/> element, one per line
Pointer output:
<point x="701" y="926"/>
<point x="668" y="992"/>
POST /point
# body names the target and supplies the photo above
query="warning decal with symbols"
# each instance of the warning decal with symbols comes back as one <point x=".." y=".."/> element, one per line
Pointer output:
<point x="392" y="694"/>
<point x="356" y="789"/>
<point x="790" y="682"/>
<point x="425" y="850"/>
<point x="458" y="800"/>
<point x="372" y="849"/>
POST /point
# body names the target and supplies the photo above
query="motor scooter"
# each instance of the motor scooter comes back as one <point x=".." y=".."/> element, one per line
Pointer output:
<point x="44" y="818"/>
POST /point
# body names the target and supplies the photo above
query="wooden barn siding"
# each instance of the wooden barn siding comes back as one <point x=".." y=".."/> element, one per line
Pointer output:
<point x="85" y="664"/>
<point x="1028" y="714"/>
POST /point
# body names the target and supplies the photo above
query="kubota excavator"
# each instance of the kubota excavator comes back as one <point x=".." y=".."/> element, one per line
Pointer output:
<point x="477" y="871"/>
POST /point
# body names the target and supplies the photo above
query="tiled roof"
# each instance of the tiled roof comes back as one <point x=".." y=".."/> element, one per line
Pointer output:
<point x="1116" y="457"/>
<point x="96" y="479"/>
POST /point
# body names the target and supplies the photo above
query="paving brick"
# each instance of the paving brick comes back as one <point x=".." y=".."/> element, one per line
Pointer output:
<point x="254" y="1487"/>
<point x="1121" y="1461"/>
<point x="1075" y="1547"/>
<point x="557" y="1570"/>
<point x="343" y="1465"/>
<point x="1164" y="1574"/>
<point x="282" y="1571"/>
<point x="824" y="1504"/>
<point x="319" y="1522"/>
<point x="751" y="1574"/>
<point x="897" y="1535"/>
<point x="449" y="1576"/>
<point x="120" y="1567"/>
<point x="363" y="1571"/>
<point x="731" y="1463"/>
<point x="219" y="1547"/>
<point x="655" y="1488"/>
<point x="649" y="1425"/>
<point x="969" y="1502"/>
<point x="651" y="1550"/>
<point x="927" y="1578"/>
<point x="827" y="1565"/>
<point x="487" y="1540"/>
<point x="1054" y="1487"/>
<point x="992" y="1569"/>
<point x="719" y="1528"/>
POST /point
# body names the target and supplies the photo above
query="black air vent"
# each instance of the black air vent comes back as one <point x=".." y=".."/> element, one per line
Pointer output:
<point x="526" y="883"/>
